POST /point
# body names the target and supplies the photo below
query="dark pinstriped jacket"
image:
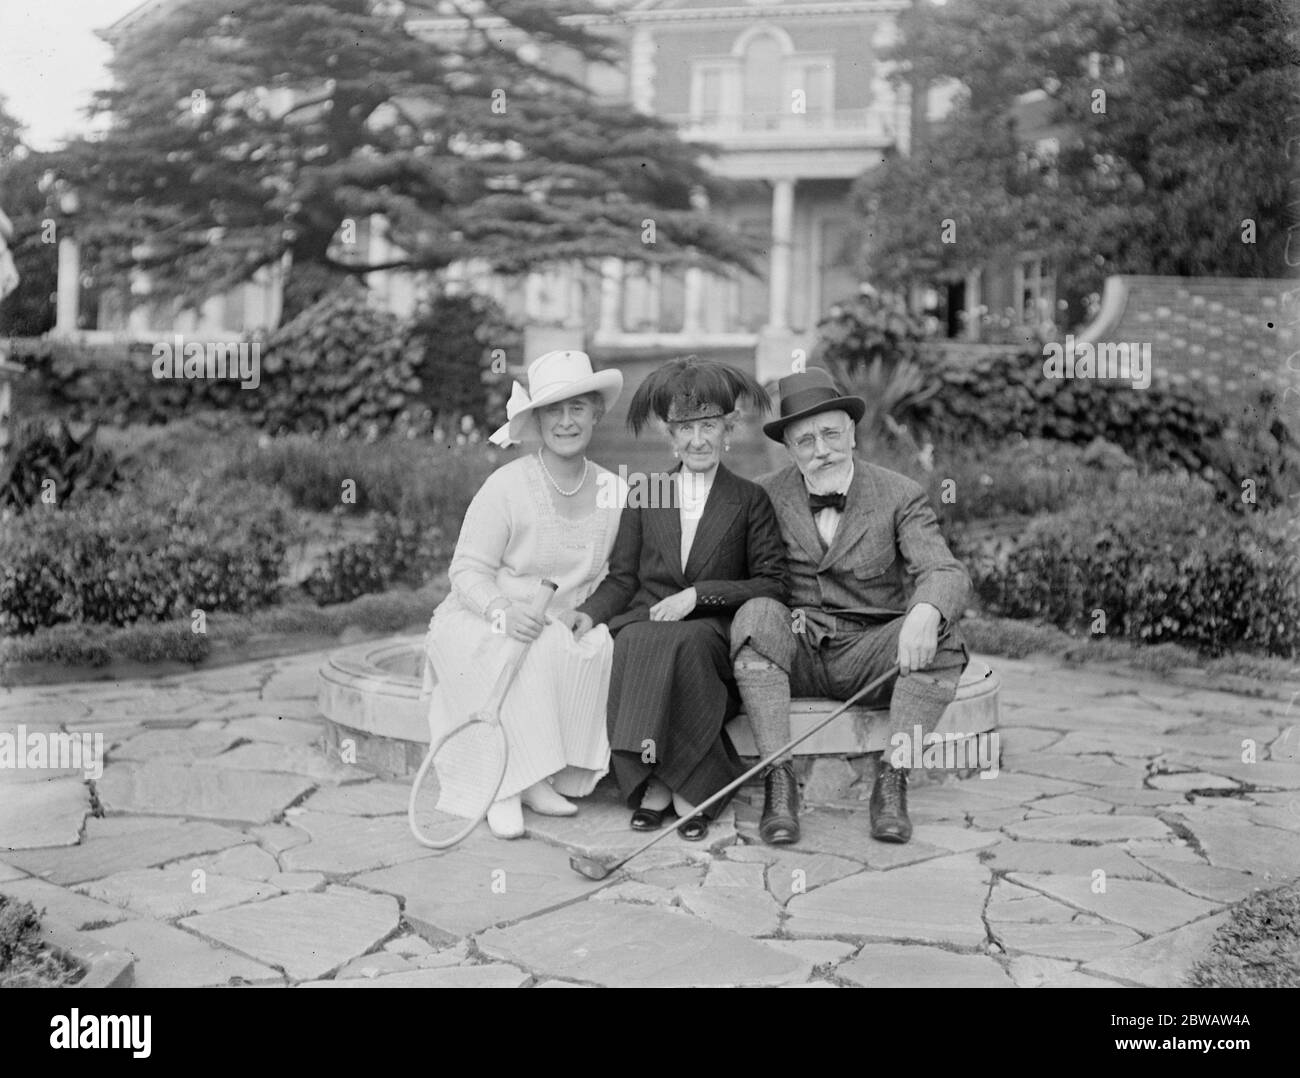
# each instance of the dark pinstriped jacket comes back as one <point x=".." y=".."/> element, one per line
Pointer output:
<point x="737" y="555"/>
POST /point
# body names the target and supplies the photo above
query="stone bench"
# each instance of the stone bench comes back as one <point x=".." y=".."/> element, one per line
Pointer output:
<point x="370" y="696"/>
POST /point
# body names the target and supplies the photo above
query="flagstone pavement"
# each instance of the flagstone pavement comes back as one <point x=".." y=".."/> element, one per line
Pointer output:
<point x="221" y="845"/>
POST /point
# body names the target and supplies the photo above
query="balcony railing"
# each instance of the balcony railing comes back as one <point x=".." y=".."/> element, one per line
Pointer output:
<point x="874" y="123"/>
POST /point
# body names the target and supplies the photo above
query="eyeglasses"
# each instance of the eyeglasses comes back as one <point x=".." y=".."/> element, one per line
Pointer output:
<point x="834" y="437"/>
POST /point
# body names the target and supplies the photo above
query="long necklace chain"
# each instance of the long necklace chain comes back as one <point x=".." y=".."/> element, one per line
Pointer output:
<point x="586" y="467"/>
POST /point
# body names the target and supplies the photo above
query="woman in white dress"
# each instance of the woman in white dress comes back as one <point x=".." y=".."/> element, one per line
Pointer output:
<point x="550" y="514"/>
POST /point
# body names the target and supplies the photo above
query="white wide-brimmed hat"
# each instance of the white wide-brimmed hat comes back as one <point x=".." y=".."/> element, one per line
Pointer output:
<point x="555" y="376"/>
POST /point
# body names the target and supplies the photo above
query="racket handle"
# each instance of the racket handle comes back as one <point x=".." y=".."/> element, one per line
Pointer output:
<point x="545" y="592"/>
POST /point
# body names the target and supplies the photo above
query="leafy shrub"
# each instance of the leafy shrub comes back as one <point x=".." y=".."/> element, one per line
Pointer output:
<point x="41" y="451"/>
<point x="1170" y="425"/>
<point x="407" y="477"/>
<point x="341" y="364"/>
<point x="464" y="344"/>
<point x="402" y="551"/>
<point x="1163" y="563"/>
<point x="151" y="553"/>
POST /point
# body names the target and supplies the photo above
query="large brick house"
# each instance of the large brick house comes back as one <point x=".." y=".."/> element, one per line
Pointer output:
<point x="793" y="93"/>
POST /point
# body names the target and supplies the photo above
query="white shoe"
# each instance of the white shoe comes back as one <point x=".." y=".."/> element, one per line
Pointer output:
<point x="545" y="800"/>
<point x="506" y="818"/>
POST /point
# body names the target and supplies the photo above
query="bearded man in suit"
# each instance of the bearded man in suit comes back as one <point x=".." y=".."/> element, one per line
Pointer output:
<point x="872" y="583"/>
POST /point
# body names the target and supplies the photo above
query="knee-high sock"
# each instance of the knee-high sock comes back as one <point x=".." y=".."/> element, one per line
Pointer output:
<point x="920" y="700"/>
<point x="765" y="689"/>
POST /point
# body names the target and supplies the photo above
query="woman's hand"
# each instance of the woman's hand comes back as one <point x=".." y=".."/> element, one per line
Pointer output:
<point x="517" y="622"/>
<point x="675" y="607"/>
<point x="577" y="623"/>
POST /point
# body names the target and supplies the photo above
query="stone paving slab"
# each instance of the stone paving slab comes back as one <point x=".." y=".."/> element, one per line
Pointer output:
<point x="624" y="946"/>
<point x="955" y="839"/>
<point x="636" y="891"/>
<point x="1263" y="774"/>
<point x="247" y="862"/>
<point x="1010" y="902"/>
<point x="1205" y="881"/>
<point x="33" y="815"/>
<point x="300" y="761"/>
<point x="1187" y="781"/>
<point x="277" y="730"/>
<point x="935" y="902"/>
<point x="375" y="965"/>
<point x="472" y="887"/>
<point x="298" y="881"/>
<point x="821" y="953"/>
<point x="169" y="893"/>
<point x="374" y="798"/>
<point x="278" y="837"/>
<point x="1093" y="828"/>
<point x="1081" y="861"/>
<point x="306" y="935"/>
<point x="134" y="847"/>
<point x="747" y="911"/>
<point x="1020" y="788"/>
<point x="887" y="965"/>
<point x="1033" y="971"/>
<point x="176" y="745"/>
<point x="38" y="710"/>
<point x="790" y="873"/>
<point x="491" y="975"/>
<point x="736" y="873"/>
<point x="1164" y="961"/>
<point x="341" y="845"/>
<point x="1087" y="770"/>
<point x="74" y="910"/>
<point x="1080" y="941"/>
<point x="1073" y="805"/>
<point x="161" y="788"/>
<point x="167" y="957"/>
<point x="1150" y="908"/>
<point x="1267" y="852"/>
<point x="9" y="872"/>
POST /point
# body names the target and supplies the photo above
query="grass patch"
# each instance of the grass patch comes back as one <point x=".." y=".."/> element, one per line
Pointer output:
<point x="24" y="961"/>
<point x="1016" y="639"/>
<point x="175" y="641"/>
<point x="1257" y="947"/>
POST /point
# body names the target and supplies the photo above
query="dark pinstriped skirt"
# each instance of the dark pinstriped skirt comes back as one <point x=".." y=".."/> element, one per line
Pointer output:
<point x="671" y="692"/>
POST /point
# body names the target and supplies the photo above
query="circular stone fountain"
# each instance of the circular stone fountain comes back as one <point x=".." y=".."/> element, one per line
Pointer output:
<point x="370" y="696"/>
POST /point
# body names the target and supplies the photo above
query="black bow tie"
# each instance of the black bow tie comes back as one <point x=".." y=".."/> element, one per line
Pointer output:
<point x="818" y="502"/>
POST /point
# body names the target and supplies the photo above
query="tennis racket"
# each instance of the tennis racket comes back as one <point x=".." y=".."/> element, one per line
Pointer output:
<point x="464" y="768"/>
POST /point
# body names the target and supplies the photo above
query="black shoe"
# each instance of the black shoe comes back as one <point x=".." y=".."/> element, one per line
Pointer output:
<point x="889" y="822"/>
<point x="780" y="823"/>
<point x="694" y="829"/>
<point x="644" y="819"/>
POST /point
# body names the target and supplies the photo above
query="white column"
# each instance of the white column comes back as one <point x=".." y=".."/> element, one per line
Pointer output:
<point x="69" y="287"/>
<point x="973" y="300"/>
<point x="779" y="270"/>
<point x="693" y="303"/>
<point x="611" y="298"/>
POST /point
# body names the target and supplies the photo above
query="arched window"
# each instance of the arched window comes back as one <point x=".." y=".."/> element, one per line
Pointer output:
<point x="764" y="105"/>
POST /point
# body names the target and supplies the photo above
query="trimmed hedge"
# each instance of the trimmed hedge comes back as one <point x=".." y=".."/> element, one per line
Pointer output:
<point x="1161" y="561"/>
<point x="152" y="553"/>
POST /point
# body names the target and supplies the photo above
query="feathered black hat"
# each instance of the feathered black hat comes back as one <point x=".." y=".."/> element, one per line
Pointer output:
<point x="693" y="388"/>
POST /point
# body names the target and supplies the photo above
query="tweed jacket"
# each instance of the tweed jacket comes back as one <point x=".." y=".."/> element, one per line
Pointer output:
<point x="887" y="555"/>
<point x="737" y="555"/>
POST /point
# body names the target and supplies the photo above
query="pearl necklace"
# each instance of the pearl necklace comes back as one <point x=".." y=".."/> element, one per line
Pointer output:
<point x="586" y="467"/>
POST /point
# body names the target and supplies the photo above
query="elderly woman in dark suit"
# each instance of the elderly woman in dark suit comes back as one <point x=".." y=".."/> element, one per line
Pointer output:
<point x="677" y="574"/>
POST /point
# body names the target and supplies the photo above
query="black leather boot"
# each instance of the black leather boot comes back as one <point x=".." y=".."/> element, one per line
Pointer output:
<point x="889" y="822"/>
<point x="780" y="823"/>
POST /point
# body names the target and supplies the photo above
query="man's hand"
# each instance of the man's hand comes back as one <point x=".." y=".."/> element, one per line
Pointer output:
<point x="918" y="640"/>
<point x="576" y="622"/>
<point x="675" y="607"/>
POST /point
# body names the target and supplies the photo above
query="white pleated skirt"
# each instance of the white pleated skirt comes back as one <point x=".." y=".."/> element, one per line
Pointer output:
<point x="553" y="715"/>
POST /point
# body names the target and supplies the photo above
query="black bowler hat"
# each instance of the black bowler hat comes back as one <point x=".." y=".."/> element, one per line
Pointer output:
<point x="810" y="392"/>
